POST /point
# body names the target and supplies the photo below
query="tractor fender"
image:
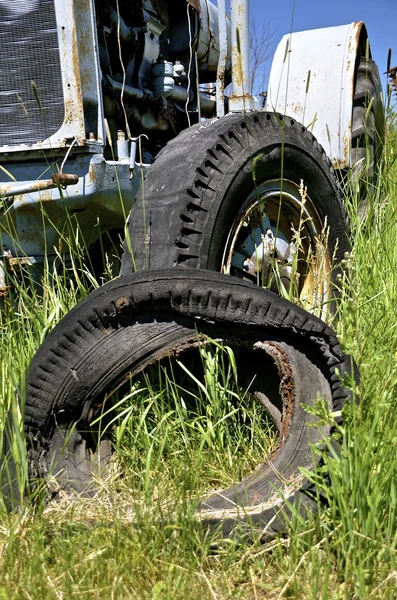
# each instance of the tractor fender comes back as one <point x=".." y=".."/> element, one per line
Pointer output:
<point x="312" y="80"/>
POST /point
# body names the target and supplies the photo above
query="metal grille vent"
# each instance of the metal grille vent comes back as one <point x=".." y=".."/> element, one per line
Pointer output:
<point x="31" y="93"/>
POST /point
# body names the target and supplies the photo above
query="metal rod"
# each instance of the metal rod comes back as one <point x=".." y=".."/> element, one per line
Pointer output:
<point x="220" y="76"/>
<point x="207" y="104"/>
<point x="129" y="91"/>
<point x="196" y="64"/>
<point x="58" y="179"/>
<point x="180" y="94"/>
<point x="241" y="98"/>
<point x="3" y="278"/>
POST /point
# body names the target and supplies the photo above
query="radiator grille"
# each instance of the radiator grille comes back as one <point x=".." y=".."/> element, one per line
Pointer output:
<point x="31" y="93"/>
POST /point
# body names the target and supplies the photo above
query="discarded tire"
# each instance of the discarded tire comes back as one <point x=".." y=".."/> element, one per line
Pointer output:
<point x="131" y="322"/>
<point x="247" y="195"/>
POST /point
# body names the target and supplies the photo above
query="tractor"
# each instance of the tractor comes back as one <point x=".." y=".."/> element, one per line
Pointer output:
<point x="135" y="119"/>
<point x="98" y="96"/>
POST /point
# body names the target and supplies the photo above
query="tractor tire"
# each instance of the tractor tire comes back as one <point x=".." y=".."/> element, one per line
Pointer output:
<point x="368" y="126"/>
<point x="134" y="321"/>
<point x="222" y="189"/>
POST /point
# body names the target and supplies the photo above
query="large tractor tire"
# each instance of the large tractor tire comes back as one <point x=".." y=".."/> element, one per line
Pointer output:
<point x="368" y="127"/>
<point x="251" y="195"/>
<point x="118" y="330"/>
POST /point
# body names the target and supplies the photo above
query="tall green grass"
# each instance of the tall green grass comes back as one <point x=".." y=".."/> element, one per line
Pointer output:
<point x="183" y="432"/>
<point x="94" y="548"/>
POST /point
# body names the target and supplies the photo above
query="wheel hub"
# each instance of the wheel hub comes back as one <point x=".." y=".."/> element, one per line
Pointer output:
<point x="271" y="249"/>
<point x="273" y="242"/>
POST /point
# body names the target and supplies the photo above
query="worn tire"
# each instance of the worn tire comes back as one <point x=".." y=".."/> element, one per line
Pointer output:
<point x="132" y="321"/>
<point x="368" y="125"/>
<point x="199" y="182"/>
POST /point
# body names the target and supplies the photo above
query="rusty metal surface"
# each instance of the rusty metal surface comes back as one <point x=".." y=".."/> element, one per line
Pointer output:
<point x="312" y="80"/>
<point x="287" y="388"/>
<point x="209" y="39"/>
<point x="93" y="192"/>
<point x="58" y="179"/>
<point x="240" y="98"/>
<point x="195" y="4"/>
<point x="12" y="189"/>
<point x="21" y="261"/>
<point x="223" y="55"/>
<point x="64" y="179"/>
<point x="3" y="275"/>
<point x="89" y="65"/>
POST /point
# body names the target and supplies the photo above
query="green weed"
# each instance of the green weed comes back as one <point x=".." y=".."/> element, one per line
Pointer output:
<point x="181" y="444"/>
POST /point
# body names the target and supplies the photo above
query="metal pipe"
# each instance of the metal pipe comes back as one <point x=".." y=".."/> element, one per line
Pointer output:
<point x="129" y="91"/>
<point x="123" y="149"/>
<point x="207" y="104"/>
<point x="220" y="75"/>
<point x="3" y="272"/>
<point x="119" y="24"/>
<point x="241" y="98"/>
<point x="179" y="94"/>
<point x="197" y="86"/>
<point x="58" y="179"/>
<point x="3" y="279"/>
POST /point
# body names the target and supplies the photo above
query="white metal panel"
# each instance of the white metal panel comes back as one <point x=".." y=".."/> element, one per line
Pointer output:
<point x="312" y="80"/>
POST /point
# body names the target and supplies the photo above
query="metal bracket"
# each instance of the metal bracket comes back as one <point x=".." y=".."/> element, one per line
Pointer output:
<point x="14" y="262"/>
<point x="241" y="98"/>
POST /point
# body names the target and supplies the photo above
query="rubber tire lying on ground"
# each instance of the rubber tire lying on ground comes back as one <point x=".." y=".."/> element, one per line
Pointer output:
<point x="133" y="321"/>
<point x="213" y="172"/>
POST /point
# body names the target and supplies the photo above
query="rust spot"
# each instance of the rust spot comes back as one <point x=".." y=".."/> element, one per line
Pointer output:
<point x="358" y="27"/>
<point x="64" y="179"/>
<point x="24" y="206"/>
<point x="237" y="67"/>
<point x="121" y="304"/>
<point x="73" y="98"/>
<point x="287" y="388"/>
<point x="18" y="262"/>
<point x="358" y="36"/>
<point x="354" y="41"/>
<point x="85" y="45"/>
<point x="91" y="175"/>
<point x="45" y="196"/>
<point x="5" y="189"/>
<point x="297" y="107"/>
<point x="195" y="4"/>
<point x="338" y="163"/>
<point x="246" y="97"/>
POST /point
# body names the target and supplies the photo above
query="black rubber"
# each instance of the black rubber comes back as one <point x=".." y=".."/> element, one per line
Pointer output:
<point x="199" y="181"/>
<point x="132" y="321"/>
<point x="368" y="124"/>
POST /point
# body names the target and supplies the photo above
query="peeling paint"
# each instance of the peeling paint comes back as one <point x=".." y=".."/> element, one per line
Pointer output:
<point x="319" y="71"/>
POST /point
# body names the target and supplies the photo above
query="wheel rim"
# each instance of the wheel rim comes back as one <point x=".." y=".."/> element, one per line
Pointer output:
<point x="278" y="241"/>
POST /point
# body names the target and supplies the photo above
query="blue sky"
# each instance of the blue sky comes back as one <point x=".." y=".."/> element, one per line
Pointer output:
<point x="380" y="17"/>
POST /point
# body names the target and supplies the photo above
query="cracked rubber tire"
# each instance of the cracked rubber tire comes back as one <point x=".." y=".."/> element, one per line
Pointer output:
<point x="131" y="322"/>
<point x="203" y="184"/>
